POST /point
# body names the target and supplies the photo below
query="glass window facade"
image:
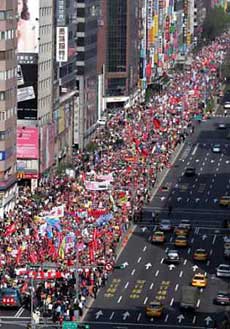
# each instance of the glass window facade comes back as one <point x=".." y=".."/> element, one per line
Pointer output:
<point x="117" y="35"/>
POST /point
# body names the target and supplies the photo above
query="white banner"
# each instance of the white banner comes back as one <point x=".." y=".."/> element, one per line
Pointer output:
<point x="97" y="186"/>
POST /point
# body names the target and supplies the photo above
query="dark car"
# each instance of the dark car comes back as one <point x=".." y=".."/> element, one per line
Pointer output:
<point x="10" y="297"/>
<point x="172" y="257"/>
<point x="222" y="298"/>
<point x="190" y="171"/>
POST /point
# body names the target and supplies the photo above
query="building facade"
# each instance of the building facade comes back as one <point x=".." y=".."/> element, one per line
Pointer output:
<point x="86" y="39"/>
<point x="122" y="52"/>
<point x="8" y="103"/>
<point x="65" y="71"/>
<point x="35" y="126"/>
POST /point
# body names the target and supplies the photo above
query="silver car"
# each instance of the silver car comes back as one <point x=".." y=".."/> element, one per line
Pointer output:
<point x="223" y="270"/>
<point x="165" y="225"/>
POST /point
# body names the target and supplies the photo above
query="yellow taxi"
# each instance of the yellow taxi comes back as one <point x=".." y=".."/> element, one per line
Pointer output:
<point x="200" y="254"/>
<point x="199" y="280"/>
<point x="181" y="241"/>
<point x="154" y="309"/>
<point x="181" y="230"/>
<point x="224" y="201"/>
<point x="158" y="237"/>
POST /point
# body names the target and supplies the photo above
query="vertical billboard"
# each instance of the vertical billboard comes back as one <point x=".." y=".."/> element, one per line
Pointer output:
<point x="28" y="26"/>
<point x="27" y="97"/>
<point x="62" y="44"/>
<point x="27" y="143"/>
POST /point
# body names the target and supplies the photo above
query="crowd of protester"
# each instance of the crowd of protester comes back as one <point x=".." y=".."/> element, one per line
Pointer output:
<point x="110" y="187"/>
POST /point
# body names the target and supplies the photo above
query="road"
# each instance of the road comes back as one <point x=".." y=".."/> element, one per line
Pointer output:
<point x="121" y="303"/>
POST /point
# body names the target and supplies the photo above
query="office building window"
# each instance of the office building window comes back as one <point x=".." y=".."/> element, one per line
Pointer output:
<point x="117" y="39"/>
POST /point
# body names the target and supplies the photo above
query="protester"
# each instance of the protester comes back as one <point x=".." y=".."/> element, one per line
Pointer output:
<point x="81" y="221"/>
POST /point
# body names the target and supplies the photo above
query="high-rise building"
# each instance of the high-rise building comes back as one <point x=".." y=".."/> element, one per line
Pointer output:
<point x="122" y="53"/>
<point x="87" y="24"/>
<point x="8" y="103"/>
<point x="65" y="71"/>
<point x="35" y="124"/>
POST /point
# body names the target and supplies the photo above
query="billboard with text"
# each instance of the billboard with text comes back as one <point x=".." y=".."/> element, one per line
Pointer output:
<point x="27" y="143"/>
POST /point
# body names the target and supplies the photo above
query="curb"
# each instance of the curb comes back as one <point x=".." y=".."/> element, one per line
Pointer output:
<point x="165" y="172"/>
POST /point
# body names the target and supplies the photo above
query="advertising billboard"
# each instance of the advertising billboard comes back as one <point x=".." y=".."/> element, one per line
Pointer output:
<point x="28" y="26"/>
<point x="62" y="44"/>
<point x="27" y="143"/>
<point x="27" y="91"/>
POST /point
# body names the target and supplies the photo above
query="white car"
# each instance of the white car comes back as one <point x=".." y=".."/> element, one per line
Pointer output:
<point x="216" y="148"/>
<point x="227" y="105"/>
<point x="101" y="121"/>
<point x="165" y="225"/>
<point x="227" y="239"/>
<point x="222" y="125"/>
<point x="223" y="270"/>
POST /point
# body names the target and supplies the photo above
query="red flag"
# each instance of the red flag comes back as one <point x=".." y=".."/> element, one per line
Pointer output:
<point x="33" y="257"/>
<point x="156" y="123"/>
<point x="91" y="252"/>
<point x="10" y="229"/>
<point x="19" y="255"/>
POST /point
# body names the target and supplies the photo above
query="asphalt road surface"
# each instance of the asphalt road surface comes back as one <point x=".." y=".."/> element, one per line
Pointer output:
<point x="146" y="277"/>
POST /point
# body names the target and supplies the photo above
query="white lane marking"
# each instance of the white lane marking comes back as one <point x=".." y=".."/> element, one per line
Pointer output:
<point x="111" y="316"/>
<point x="139" y="317"/>
<point x="208" y="262"/>
<point x="192" y="240"/>
<point x="217" y="169"/>
<point x="177" y="286"/>
<point x="181" y="273"/>
<point x="19" y="312"/>
<point x="194" y="319"/>
<point x="195" y="149"/>
<point x="157" y="272"/>
<point x="189" y="250"/>
<point x="197" y="230"/>
<point x="146" y="299"/>
<point x="171" y="303"/>
<point x="166" y="250"/>
<point x="170" y="240"/>
<point x="149" y="238"/>
<point x="214" y="239"/>
<point x="144" y="248"/>
<point x="211" y="252"/>
<point x="162" y="260"/>
<point x="127" y="284"/>
<point x="139" y="259"/>
<point x="151" y="286"/>
<point x="201" y="290"/>
<point x="198" y="303"/>
<point x="119" y="299"/>
<point x="133" y="271"/>
<point x="188" y="164"/>
<point x="185" y="261"/>
<point x="166" y="317"/>
<point x="210" y="186"/>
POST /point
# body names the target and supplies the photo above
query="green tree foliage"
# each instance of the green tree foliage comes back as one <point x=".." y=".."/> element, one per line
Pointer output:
<point x="216" y="22"/>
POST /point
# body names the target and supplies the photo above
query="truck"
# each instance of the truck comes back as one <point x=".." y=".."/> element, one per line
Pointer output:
<point x="189" y="297"/>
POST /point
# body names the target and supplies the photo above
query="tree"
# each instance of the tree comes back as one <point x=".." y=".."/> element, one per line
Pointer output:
<point x="215" y="23"/>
